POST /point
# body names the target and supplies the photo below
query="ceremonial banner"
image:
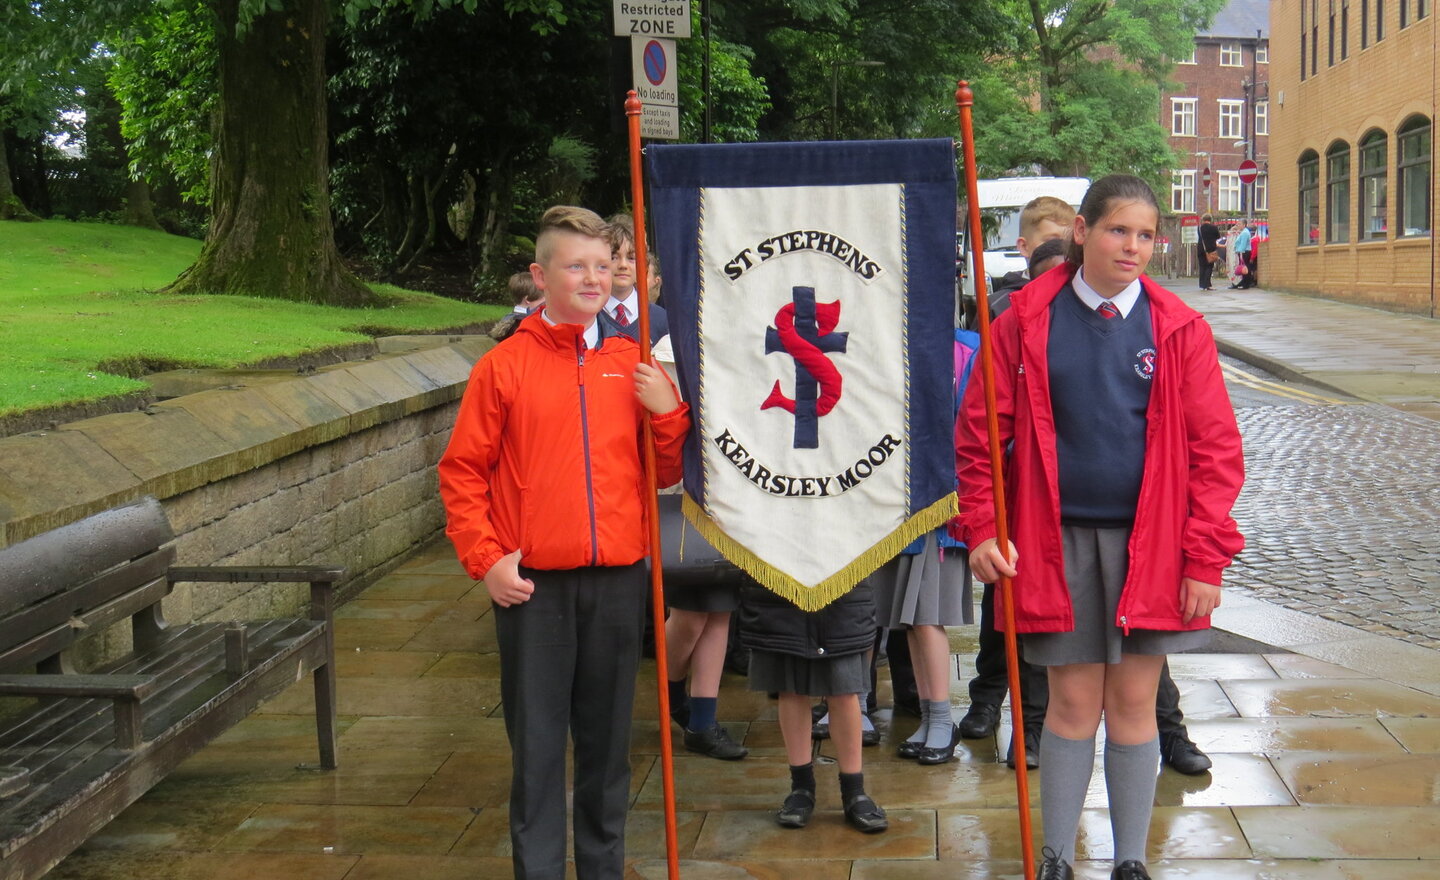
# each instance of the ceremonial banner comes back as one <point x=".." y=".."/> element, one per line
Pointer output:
<point x="810" y="290"/>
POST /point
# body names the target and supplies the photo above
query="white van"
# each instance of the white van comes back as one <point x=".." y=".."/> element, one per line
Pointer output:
<point x="1001" y="201"/>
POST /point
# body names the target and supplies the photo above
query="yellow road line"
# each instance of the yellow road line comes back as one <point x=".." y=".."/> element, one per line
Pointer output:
<point x="1250" y="380"/>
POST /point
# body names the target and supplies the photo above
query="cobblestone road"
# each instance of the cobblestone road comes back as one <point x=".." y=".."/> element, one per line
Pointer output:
<point x="1341" y="510"/>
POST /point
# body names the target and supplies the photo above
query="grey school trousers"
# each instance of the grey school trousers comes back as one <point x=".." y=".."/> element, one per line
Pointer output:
<point x="568" y="660"/>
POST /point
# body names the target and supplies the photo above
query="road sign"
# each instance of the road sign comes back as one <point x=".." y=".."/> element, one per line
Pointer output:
<point x="658" y="18"/>
<point x="1248" y="171"/>
<point x="660" y="122"/>
<point x="1205" y="177"/>
<point x="653" y="67"/>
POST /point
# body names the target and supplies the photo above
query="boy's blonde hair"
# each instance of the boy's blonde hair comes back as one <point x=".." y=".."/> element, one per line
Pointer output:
<point x="1044" y="208"/>
<point x="567" y="218"/>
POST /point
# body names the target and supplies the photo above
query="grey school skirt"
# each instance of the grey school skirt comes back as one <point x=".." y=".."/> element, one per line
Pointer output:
<point x="1096" y="562"/>
<point x="774" y="672"/>
<point x="924" y="589"/>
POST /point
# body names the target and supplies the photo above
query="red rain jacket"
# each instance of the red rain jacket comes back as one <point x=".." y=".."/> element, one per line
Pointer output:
<point x="1192" y="475"/>
<point x="546" y="453"/>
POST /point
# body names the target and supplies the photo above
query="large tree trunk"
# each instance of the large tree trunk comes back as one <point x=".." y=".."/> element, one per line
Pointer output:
<point x="139" y="207"/>
<point x="11" y="208"/>
<point x="270" y="230"/>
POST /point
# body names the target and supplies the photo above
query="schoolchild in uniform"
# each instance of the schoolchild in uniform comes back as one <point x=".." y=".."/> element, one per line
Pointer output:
<point x="923" y="590"/>
<point x="1125" y="461"/>
<point x="805" y="654"/>
<point x="542" y="487"/>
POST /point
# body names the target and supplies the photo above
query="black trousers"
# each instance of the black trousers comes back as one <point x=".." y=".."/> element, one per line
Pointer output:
<point x="990" y="682"/>
<point x="568" y="660"/>
<point x="1207" y="270"/>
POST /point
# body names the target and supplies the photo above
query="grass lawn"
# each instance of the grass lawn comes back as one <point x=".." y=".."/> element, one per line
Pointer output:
<point x="77" y="296"/>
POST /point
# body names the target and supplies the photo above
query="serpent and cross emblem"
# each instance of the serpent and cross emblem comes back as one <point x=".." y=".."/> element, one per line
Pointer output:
<point x="804" y="329"/>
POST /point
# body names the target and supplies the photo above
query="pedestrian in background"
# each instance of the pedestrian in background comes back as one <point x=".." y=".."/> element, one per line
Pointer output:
<point x="1121" y="386"/>
<point x="1207" y="250"/>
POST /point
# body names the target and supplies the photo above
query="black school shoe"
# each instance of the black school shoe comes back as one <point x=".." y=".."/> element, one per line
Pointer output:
<point x="1054" y="867"/>
<point x="980" y="720"/>
<point x="943" y="754"/>
<point x="1032" y="750"/>
<point x="865" y="815"/>
<point x="1129" y="870"/>
<point x="1179" y="752"/>
<point x="715" y="743"/>
<point x="796" y="810"/>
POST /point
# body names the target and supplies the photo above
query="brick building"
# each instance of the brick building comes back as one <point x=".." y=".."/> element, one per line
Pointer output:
<point x="1218" y="116"/>
<point x="1352" y="188"/>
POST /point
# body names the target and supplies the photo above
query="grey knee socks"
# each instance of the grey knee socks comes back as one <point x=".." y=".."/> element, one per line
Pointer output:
<point x="1068" y="764"/>
<point x="1130" y="773"/>
<point x="939" y="724"/>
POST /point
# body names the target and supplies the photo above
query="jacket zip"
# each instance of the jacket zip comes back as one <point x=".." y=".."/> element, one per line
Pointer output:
<point x="585" y="446"/>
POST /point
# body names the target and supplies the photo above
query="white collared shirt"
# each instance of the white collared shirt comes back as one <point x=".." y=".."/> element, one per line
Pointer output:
<point x="1124" y="300"/>
<point x="592" y="330"/>
<point x="631" y="303"/>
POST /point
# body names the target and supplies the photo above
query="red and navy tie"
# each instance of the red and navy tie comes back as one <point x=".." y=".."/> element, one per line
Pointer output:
<point x="621" y="317"/>
<point x="1107" y="310"/>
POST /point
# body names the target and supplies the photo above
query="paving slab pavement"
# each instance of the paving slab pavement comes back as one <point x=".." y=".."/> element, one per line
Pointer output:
<point x="1326" y="749"/>
<point x="1372" y="354"/>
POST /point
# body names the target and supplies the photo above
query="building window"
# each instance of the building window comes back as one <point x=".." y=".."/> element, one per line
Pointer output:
<point x="1379" y="20"/>
<point x="1262" y="117"/>
<point x="1309" y="198"/>
<point x="1364" y="24"/>
<point x="1344" y="29"/>
<point x="1330" y="24"/>
<point x="1232" y="119"/>
<point x="1373" y="201"/>
<point x="1262" y="53"/>
<point x="1227" y="192"/>
<point x="1182" y="192"/>
<point x="1304" y="40"/>
<point x="1404" y="13"/>
<point x="1262" y="193"/>
<point x="1412" y="161"/>
<point x="1182" y="116"/>
<point x="1337" y="194"/>
<point x="1422" y="9"/>
<point x="1314" y="36"/>
<point x="1230" y="55"/>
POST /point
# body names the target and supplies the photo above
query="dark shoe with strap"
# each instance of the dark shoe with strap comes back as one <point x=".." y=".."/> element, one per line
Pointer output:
<point x="1032" y="749"/>
<point x="870" y="737"/>
<point x="1129" y="870"/>
<point x="796" y="810"/>
<point x="1179" y="752"/>
<point x="865" y="815"/>
<point x="910" y="749"/>
<point x="716" y="743"/>
<point x="820" y="730"/>
<point x="980" y="720"/>
<point x="943" y="754"/>
<point x="1053" y="867"/>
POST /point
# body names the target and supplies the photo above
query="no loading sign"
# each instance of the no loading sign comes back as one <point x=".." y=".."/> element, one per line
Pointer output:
<point x="653" y="68"/>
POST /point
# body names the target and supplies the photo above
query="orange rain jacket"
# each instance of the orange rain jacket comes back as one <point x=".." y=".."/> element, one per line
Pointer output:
<point x="546" y="453"/>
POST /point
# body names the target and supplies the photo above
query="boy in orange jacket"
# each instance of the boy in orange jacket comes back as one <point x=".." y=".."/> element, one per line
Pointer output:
<point x="542" y="484"/>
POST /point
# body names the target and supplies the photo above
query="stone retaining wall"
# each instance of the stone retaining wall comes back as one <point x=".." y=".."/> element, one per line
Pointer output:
<point x="336" y="467"/>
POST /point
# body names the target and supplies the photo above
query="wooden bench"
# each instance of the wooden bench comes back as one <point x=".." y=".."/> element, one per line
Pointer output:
<point x="83" y="747"/>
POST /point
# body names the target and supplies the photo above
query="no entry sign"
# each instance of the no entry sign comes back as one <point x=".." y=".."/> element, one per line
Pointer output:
<point x="1248" y="171"/>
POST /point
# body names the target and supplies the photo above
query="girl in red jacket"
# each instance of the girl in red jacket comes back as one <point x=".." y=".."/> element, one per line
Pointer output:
<point x="1124" y="463"/>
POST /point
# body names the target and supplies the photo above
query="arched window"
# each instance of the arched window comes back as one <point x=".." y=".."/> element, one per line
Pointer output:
<point x="1309" y="197"/>
<point x="1412" y="165"/>
<point x="1337" y="193"/>
<point x="1374" y="222"/>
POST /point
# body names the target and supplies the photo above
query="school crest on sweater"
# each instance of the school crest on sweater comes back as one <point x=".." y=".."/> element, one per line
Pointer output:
<point x="810" y="289"/>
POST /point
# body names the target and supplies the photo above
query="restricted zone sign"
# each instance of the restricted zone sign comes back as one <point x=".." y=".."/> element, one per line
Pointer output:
<point x="656" y="18"/>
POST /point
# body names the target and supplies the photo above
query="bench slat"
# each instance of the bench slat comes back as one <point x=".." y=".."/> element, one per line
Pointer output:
<point x="252" y="574"/>
<point x="133" y="686"/>
<point x="58" y="638"/>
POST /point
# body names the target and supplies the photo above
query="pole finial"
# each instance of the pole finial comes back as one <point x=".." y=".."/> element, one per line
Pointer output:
<point x="964" y="97"/>
<point x="632" y="103"/>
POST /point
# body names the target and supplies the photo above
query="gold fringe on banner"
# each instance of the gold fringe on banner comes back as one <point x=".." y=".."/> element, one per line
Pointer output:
<point x="838" y="584"/>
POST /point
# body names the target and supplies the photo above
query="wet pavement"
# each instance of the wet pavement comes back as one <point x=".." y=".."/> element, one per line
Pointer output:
<point x="1325" y="733"/>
